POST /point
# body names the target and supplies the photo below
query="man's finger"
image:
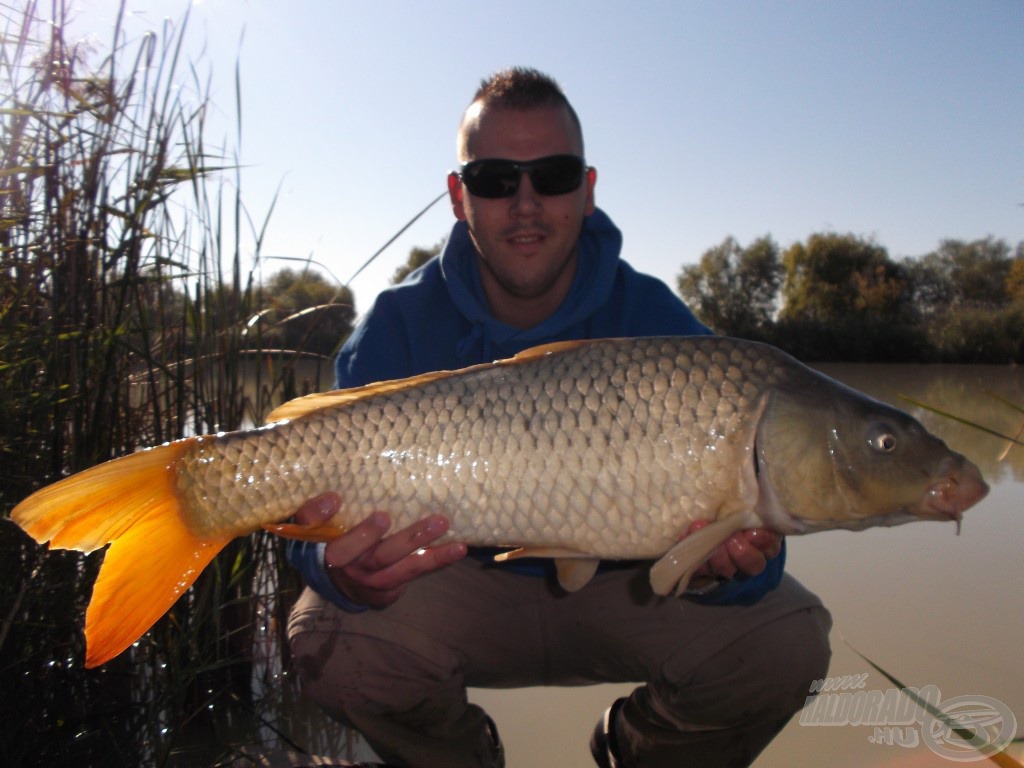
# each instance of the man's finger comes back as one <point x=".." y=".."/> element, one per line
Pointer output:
<point x="403" y="543"/>
<point x="721" y="564"/>
<point x="769" y="542"/>
<point x="381" y="588"/>
<point x="357" y="542"/>
<point x="319" y="509"/>
<point x="412" y="566"/>
<point x="745" y="557"/>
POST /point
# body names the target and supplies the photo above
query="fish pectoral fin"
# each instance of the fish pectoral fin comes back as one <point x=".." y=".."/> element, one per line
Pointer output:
<point x="675" y="568"/>
<point x="575" y="573"/>
<point x="300" y="532"/>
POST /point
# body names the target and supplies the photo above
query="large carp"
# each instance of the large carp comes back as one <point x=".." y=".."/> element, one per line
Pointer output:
<point x="590" y="450"/>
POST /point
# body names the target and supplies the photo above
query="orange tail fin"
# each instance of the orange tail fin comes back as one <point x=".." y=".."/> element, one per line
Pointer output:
<point x="132" y="502"/>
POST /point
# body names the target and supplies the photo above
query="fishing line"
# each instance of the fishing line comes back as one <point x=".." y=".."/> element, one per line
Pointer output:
<point x="394" y="237"/>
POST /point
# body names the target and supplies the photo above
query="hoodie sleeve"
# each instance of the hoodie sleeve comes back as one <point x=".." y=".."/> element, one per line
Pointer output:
<point x="747" y="590"/>
<point x="307" y="557"/>
<point x="411" y="328"/>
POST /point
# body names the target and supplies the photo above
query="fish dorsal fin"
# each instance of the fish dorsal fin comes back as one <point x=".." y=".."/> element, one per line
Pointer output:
<point x="543" y="350"/>
<point x="301" y="406"/>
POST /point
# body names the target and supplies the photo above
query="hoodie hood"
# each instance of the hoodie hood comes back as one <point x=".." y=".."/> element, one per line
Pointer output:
<point x="600" y="244"/>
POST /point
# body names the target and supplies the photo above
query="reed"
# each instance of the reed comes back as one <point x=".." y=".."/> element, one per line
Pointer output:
<point x="977" y="736"/>
<point x="129" y="316"/>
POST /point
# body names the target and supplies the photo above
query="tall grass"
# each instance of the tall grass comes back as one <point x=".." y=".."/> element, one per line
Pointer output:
<point x="128" y="317"/>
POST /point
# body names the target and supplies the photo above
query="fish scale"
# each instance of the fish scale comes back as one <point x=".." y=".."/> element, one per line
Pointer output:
<point x="537" y="452"/>
<point x="577" y="451"/>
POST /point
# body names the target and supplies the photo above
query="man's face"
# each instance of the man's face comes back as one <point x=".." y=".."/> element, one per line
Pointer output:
<point x="527" y="242"/>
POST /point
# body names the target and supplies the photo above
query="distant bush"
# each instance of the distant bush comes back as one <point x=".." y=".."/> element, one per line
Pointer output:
<point x="978" y="335"/>
<point x="855" y="339"/>
<point x="843" y="299"/>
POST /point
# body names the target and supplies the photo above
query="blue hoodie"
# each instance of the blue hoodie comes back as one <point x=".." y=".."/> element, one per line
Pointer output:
<point x="438" y="319"/>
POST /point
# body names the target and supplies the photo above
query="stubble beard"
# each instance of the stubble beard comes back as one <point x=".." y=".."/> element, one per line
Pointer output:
<point x="524" y="285"/>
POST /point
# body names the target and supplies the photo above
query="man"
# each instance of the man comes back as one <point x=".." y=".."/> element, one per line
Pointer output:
<point x="394" y="629"/>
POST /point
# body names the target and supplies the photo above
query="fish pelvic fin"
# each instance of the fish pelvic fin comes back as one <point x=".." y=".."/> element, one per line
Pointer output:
<point x="575" y="573"/>
<point x="132" y="504"/>
<point x="574" y="569"/>
<point x="676" y="567"/>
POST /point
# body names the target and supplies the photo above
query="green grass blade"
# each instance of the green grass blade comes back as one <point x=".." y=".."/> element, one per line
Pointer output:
<point x="967" y="422"/>
<point x="975" y="738"/>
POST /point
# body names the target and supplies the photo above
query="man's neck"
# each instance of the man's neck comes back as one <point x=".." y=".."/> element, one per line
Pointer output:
<point x="524" y="312"/>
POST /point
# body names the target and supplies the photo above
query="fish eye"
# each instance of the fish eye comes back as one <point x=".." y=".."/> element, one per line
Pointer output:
<point x="883" y="441"/>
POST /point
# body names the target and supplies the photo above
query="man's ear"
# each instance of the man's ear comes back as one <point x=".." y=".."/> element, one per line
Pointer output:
<point x="456" y="193"/>
<point x="590" y="180"/>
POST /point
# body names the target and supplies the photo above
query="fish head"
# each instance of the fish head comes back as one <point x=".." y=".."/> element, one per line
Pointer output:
<point x="831" y="457"/>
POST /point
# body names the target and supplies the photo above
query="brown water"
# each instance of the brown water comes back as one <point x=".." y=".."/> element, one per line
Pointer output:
<point x="931" y="607"/>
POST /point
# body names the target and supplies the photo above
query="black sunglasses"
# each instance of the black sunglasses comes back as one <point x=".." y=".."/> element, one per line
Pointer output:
<point x="495" y="178"/>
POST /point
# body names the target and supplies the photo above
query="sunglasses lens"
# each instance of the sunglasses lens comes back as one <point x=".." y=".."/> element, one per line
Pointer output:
<point x="491" y="178"/>
<point x="555" y="175"/>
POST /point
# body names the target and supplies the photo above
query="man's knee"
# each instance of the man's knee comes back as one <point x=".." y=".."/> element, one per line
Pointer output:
<point x="795" y="651"/>
<point x="781" y="660"/>
<point x="349" y="672"/>
<point x="408" y="704"/>
<point x="765" y="675"/>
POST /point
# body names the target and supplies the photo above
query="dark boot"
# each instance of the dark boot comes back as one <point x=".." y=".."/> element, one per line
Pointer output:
<point x="603" y="744"/>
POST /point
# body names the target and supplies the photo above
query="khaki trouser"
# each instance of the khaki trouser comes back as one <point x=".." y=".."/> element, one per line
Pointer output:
<point x="718" y="682"/>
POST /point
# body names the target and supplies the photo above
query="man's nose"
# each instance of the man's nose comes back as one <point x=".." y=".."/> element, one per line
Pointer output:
<point x="526" y="198"/>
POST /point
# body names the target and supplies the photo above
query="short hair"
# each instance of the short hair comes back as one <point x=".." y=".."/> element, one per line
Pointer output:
<point x="523" y="88"/>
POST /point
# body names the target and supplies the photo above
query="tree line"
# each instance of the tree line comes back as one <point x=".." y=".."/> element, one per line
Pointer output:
<point x="840" y="297"/>
<point x="832" y="297"/>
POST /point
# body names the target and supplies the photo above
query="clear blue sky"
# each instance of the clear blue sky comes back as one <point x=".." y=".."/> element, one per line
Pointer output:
<point x="901" y="121"/>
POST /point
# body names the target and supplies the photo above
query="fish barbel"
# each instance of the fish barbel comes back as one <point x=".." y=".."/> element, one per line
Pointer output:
<point x="579" y="451"/>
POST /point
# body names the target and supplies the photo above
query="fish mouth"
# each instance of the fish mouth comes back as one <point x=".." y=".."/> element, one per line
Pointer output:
<point x="959" y="487"/>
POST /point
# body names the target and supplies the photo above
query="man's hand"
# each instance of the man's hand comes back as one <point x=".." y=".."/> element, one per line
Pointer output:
<point x="746" y="552"/>
<point x="372" y="568"/>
